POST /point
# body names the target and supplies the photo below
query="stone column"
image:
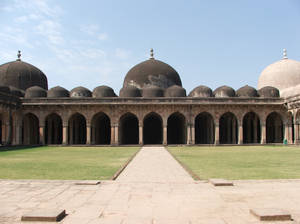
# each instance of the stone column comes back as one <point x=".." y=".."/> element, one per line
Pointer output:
<point x="18" y="136"/>
<point x="290" y="140"/>
<point x="165" y="135"/>
<point x="42" y="135"/>
<point x="255" y="130"/>
<point x="189" y="136"/>
<point x="217" y="134"/>
<point x="286" y="131"/>
<point x="141" y="138"/>
<point x="117" y="135"/>
<point x="263" y="133"/>
<point x="112" y="135"/>
<point x="240" y="141"/>
<point x="193" y="133"/>
<point x="296" y="133"/>
<point x="88" y="134"/>
<point x="65" y="133"/>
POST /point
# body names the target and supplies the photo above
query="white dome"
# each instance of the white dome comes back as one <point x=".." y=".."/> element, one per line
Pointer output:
<point x="281" y="74"/>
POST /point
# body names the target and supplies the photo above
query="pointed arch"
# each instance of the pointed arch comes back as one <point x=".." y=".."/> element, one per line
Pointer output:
<point x="30" y="130"/>
<point x="204" y="129"/>
<point x="101" y="129"/>
<point x="274" y="128"/>
<point x="228" y="129"/>
<point x="77" y="129"/>
<point x="176" y="133"/>
<point x="152" y="129"/>
<point x="129" y="129"/>
<point x="53" y="129"/>
<point x="251" y="128"/>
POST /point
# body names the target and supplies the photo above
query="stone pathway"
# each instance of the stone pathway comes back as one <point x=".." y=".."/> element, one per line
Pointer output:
<point x="162" y="192"/>
<point x="154" y="164"/>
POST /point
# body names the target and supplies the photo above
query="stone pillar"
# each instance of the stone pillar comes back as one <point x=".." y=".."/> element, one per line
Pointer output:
<point x="88" y="134"/>
<point x="65" y="133"/>
<point x="42" y="135"/>
<point x="263" y="133"/>
<point x="141" y="138"/>
<point x="189" y="136"/>
<point x="18" y="136"/>
<point x="193" y="133"/>
<point x="240" y="141"/>
<point x="286" y="131"/>
<point x="117" y="142"/>
<point x="165" y="135"/>
<point x="255" y="130"/>
<point x="217" y="134"/>
<point x="296" y="133"/>
<point x="112" y="135"/>
<point x="290" y="140"/>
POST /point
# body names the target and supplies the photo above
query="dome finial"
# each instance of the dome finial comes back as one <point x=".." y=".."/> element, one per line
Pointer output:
<point x="19" y="55"/>
<point x="284" y="54"/>
<point x="151" y="54"/>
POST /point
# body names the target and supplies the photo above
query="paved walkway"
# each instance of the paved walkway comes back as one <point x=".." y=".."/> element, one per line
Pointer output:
<point x="154" y="164"/>
<point x="155" y="196"/>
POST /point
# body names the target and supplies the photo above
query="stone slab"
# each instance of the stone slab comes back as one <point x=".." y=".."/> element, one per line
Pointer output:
<point x="45" y="215"/>
<point x="96" y="182"/>
<point x="271" y="214"/>
<point x="220" y="182"/>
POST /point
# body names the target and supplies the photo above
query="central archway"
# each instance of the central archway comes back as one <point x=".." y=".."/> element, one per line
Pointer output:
<point x="101" y="129"/>
<point x="30" y="130"/>
<point x="251" y="128"/>
<point x="129" y="129"/>
<point x="228" y="129"/>
<point x="152" y="132"/>
<point x="176" y="129"/>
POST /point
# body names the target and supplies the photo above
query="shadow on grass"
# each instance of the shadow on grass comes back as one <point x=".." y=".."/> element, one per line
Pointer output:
<point x="14" y="148"/>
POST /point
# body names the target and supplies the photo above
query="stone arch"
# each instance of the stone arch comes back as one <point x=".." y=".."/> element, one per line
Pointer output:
<point x="228" y="128"/>
<point x="152" y="129"/>
<point x="176" y="133"/>
<point x="30" y="130"/>
<point x="53" y="129"/>
<point x="204" y="128"/>
<point x="129" y="129"/>
<point x="101" y="129"/>
<point x="77" y="129"/>
<point x="251" y="128"/>
<point x="274" y="128"/>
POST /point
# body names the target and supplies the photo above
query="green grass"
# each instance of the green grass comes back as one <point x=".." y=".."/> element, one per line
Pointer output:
<point x="241" y="162"/>
<point x="63" y="163"/>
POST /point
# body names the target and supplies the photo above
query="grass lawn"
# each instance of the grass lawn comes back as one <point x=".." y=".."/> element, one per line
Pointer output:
<point x="241" y="162"/>
<point x="64" y="163"/>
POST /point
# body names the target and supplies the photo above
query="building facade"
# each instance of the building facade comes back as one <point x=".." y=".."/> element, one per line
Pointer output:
<point x="152" y="108"/>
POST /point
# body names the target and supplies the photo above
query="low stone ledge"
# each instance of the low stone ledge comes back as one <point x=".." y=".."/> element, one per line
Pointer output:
<point x="271" y="214"/>
<point x="220" y="182"/>
<point x="90" y="182"/>
<point x="45" y="215"/>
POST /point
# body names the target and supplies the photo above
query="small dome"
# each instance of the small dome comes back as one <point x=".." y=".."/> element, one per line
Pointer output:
<point x="58" y="91"/>
<point x="130" y="91"/>
<point x="22" y="75"/>
<point x="201" y="91"/>
<point x="152" y="91"/>
<point x="80" y="92"/>
<point x="35" y="92"/>
<point x="281" y="74"/>
<point x="5" y="89"/>
<point x="17" y="92"/>
<point x="268" y="91"/>
<point x="152" y="72"/>
<point x="175" y="91"/>
<point x="246" y="91"/>
<point x="224" y="91"/>
<point x="103" y="91"/>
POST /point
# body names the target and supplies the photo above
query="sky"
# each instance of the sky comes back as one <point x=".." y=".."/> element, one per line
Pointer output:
<point x="96" y="42"/>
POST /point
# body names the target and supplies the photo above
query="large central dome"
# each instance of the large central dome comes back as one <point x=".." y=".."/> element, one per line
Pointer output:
<point x="152" y="73"/>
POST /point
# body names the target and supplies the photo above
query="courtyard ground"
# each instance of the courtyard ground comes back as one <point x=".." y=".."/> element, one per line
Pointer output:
<point x="241" y="162"/>
<point x="153" y="189"/>
<point x="63" y="163"/>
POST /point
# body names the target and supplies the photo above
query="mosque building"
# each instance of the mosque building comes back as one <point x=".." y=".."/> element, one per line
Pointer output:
<point x="152" y="108"/>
